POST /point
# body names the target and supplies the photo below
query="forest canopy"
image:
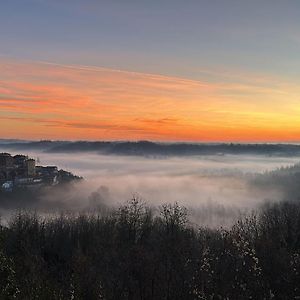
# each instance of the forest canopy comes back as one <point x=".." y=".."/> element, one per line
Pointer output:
<point x="134" y="253"/>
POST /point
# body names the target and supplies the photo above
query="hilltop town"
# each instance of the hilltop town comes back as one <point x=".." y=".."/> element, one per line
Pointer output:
<point x="21" y="172"/>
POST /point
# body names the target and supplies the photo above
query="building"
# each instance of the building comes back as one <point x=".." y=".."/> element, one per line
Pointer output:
<point x="48" y="173"/>
<point x="7" y="186"/>
<point x="6" y="166"/>
<point x="30" y="167"/>
<point x="16" y="167"/>
<point x="20" y="172"/>
<point x="19" y="160"/>
<point x="6" y="161"/>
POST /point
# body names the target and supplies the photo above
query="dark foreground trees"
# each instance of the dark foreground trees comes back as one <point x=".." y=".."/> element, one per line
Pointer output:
<point x="135" y="253"/>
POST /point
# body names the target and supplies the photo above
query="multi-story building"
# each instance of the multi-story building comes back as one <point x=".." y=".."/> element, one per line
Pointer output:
<point x="6" y="160"/>
<point x="21" y="171"/>
<point x="6" y="166"/>
<point x="30" y="167"/>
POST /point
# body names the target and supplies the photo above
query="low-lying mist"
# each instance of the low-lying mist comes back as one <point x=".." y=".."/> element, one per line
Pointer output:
<point x="216" y="189"/>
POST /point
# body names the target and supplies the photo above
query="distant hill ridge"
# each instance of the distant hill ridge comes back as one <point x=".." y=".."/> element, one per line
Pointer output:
<point x="145" y="148"/>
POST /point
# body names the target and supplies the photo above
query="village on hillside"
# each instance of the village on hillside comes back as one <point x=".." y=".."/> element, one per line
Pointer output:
<point x="21" y="172"/>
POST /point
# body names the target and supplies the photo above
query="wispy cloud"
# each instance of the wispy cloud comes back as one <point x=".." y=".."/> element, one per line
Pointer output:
<point x="91" y="102"/>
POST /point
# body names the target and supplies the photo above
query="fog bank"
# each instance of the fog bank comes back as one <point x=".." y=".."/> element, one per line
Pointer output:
<point x="215" y="188"/>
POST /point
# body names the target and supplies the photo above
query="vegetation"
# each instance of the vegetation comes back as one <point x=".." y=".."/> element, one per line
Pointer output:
<point x="134" y="253"/>
<point x="147" y="148"/>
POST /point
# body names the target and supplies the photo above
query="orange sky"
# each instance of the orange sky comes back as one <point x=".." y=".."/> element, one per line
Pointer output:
<point x="48" y="101"/>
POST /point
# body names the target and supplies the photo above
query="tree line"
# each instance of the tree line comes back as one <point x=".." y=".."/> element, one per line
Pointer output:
<point x="135" y="253"/>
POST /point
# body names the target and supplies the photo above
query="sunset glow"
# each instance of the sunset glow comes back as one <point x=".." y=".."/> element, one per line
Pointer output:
<point x="76" y="102"/>
<point x="171" y="71"/>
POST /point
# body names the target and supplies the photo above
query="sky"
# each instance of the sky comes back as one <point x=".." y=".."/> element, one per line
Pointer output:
<point x="168" y="70"/>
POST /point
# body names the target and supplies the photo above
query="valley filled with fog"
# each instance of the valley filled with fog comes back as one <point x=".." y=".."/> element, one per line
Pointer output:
<point x="215" y="188"/>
